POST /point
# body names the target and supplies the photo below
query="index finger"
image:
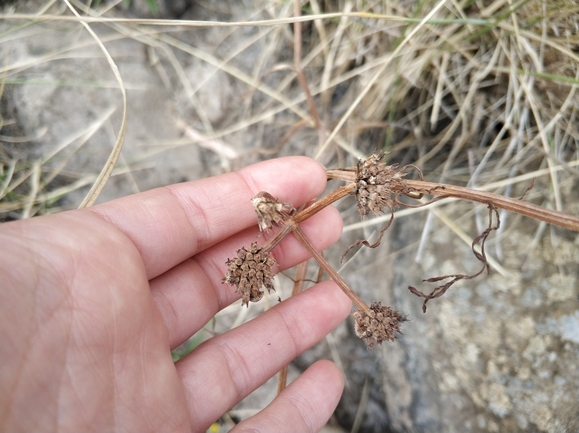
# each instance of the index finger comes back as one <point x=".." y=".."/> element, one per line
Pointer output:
<point x="173" y="223"/>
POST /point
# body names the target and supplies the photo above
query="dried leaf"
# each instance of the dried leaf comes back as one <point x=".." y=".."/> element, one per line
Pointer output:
<point x="441" y="290"/>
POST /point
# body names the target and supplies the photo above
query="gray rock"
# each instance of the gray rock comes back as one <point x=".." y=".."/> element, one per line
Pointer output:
<point x="497" y="353"/>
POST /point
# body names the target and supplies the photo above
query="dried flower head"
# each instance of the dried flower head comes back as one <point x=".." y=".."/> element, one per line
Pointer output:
<point x="377" y="185"/>
<point x="250" y="271"/>
<point x="378" y="324"/>
<point x="270" y="211"/>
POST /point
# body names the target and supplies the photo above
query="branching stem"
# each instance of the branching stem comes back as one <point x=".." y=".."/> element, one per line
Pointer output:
<point x="377" y="187"/>
<point x="560" y="219"/>
<point x="440" y="190"/>
<point x="308" y="212"/>
<point x="300" y="236"/>
<point x="327" y="200"/>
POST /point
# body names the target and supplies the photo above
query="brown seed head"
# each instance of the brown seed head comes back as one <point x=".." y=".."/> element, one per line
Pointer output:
<point x="270" y="212"/>
<point x="250" y="271"/>
<point x="378" y="324"/>
<point x="377" y="185"/>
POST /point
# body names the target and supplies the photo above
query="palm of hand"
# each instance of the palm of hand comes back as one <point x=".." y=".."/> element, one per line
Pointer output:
<point x="92" y="301"/>
<point x="112" y="366"/>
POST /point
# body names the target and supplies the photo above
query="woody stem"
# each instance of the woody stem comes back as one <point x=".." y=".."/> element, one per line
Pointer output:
<point x="311" y="210"/>
<point x="327" y="200"/>
<point x="560" y="219"/>
<point x="569" y="222"/>
<point x="300" y="236"/>
<point x="272" y="243"/>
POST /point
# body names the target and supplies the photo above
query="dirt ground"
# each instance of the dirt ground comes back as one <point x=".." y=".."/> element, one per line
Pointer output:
<point x="497" y="353"/>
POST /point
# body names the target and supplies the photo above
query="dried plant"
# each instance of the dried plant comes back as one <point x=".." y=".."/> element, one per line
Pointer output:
<point x="377" y="188"/>
<point x="378" y="324"/>
<point x="441" y="290"/>
<point x="250" y="272"/>
<point x="270" y="212"/>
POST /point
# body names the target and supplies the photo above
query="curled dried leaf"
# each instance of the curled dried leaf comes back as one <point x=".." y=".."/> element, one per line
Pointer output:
<point x="378" y="323"/>
<point x="438" y="291"/>
<point x="250" y="272"/>
<point x="271" y="212"/>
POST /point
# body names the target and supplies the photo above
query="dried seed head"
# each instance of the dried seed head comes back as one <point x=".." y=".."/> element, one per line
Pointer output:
<point x="270" y="211"/>
<point x="250" y="271"/>
<point x="377" y="185"/>
<point x="378" y="324"/>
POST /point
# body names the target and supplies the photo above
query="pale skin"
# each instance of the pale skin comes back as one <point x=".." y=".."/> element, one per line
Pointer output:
<point x="92" y="301"/>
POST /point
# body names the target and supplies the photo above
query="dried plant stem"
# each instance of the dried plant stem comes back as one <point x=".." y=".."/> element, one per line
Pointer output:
<point x="300" y="236"/>
<point x="345" y="174"/>
<point x="327" y="200"/>
<point x="560" y="219"/>
<point x="303" y="215"/>
<point x="300" y="278"/>
<point x="272" y="243"/>
<point x="282" y="379"/>
<point x="298" y="66"/>
<point x="440" y="191"/>
<point x="298" y="287"/>
<point x="292" y="224"/>
<point x="109" y="166"/>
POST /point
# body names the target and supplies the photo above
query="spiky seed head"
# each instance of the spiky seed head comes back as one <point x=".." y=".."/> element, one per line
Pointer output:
<point x="250" y="272"/>
<point x="378" y="324"/>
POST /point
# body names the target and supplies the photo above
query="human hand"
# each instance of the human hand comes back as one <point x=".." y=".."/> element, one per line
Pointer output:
<point x="93" y="300"/>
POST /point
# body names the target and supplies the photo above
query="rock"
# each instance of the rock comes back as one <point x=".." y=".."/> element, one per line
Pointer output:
<point x="496" y="353"/>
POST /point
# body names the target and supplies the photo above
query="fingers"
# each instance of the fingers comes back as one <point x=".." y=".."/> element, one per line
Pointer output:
<point x="190" y="294"/>
<point x="170" y="224"/>
<point x="232" y="365"/>
<point x="304" y="406"/>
